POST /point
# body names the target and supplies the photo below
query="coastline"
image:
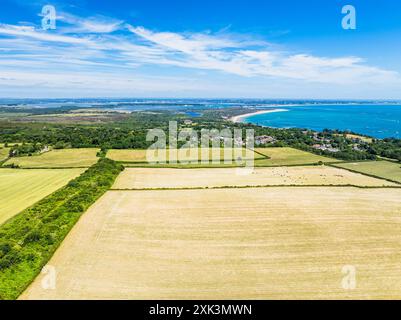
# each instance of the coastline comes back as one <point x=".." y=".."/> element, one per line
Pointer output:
<point x="240" y="118"/>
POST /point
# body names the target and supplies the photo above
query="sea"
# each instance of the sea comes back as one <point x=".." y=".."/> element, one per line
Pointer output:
<point x="379" y="119"/>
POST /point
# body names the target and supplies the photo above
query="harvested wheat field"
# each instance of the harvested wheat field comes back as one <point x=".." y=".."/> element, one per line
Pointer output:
<point x="137" y="178"/>
<point x="255" y="243"/>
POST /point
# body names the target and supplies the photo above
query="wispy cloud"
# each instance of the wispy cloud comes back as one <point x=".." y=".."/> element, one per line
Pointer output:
<point x="216" y="53"/>
<point x="98" y="24"/>
<point x="32" y="33"/>
<point x="107" y="52"/>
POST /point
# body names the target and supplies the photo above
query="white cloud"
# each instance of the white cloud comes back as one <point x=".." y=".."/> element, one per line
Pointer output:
<point x="99" y="56"/>
<point x="97" y="24"/>
<point x="218" y="53"/>
<point x="185" y="43"/>
<point x="31" y="32"/>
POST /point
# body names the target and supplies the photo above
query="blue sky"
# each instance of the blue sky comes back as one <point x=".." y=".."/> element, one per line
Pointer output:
<point x="209" y="49"/>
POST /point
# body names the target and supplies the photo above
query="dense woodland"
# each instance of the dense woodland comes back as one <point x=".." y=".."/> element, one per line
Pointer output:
<point x="130" y="133"/>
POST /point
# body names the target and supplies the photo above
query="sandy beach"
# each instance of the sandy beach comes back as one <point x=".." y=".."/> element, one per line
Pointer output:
<point x="240" y="118"/>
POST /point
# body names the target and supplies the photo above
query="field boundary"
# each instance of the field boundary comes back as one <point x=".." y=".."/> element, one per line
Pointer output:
<point x="222" y="166"/>
<point x="42" y="168"/>
<point x="261" y="186"/>
<point x="181" y="166"/>
<point x="263" y="155"/>
<point x="388" y="159"/>
<point x="189" y="162"/>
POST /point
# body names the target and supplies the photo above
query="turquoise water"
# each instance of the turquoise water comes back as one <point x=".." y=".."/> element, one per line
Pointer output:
<point x="379" y="121"/>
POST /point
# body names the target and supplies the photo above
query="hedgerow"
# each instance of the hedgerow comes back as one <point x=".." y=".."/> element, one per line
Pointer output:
<point x="28" y="241"/>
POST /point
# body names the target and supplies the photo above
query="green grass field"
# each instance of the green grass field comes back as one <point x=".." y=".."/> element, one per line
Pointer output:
<point x="384" y="169"/>
<point x="288" y="157"/>
<point x="3" y="152"/>
<point x="11" y="144"/>
<point x="264" y="157"/>
<point x="191" y="155"/>
<point x="127" y="155"/>
<point x="65" y="158"/>
<point x="20" y="189"/>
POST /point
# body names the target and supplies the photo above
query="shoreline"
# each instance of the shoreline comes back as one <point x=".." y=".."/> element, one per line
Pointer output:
<point x="240" y="118"/>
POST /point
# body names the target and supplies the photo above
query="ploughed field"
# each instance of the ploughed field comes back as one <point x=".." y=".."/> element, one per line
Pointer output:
<point x="252" y="243"/>
<point x="20" y="189"/>
<point x="65" y="158"/>
<point x="156" y="178"/>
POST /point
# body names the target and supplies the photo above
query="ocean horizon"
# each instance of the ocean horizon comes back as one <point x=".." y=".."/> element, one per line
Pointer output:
<point x="378" y="119"/>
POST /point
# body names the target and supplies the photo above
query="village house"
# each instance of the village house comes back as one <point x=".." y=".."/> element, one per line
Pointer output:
<point x="325" y="147"/>
<point x="45" y="149"/>
<point x="261" y="140"/>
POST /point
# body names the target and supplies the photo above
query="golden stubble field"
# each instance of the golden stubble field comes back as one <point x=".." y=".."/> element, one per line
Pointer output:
<point x="156" y="178"/>
<point x="254" y="243"/>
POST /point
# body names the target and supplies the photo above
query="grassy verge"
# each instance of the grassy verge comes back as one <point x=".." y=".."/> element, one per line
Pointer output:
<point x="28" y="241"/>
